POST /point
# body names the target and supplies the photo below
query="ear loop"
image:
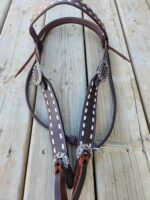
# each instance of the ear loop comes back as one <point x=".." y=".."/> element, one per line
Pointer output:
<point x="78" y="4"/>
<point x="43" y="33"/>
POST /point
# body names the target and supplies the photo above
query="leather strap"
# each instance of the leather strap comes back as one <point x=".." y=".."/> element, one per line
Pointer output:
<point x="60" y="189"/>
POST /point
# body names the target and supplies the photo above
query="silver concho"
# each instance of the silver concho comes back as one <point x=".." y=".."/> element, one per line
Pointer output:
<point x="103" y="70"/>
<point x="37" y="74"/>
<point x="82" y="148"/>
<point x="63" y="157"/>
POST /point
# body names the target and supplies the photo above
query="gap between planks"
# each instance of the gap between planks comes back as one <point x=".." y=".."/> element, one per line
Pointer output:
<point x="4" y="10"/>
<point x="137" y="84"/>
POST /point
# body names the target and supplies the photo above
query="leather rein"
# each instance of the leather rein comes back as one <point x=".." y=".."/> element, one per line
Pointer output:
<point x="85" y="141"/>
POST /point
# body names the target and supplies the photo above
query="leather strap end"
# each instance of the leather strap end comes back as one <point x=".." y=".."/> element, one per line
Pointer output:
<point x="80" y="175"/>
<point x="120" y="54"/>
<point x="60" y="188"/>
<point x="24" y="66"/>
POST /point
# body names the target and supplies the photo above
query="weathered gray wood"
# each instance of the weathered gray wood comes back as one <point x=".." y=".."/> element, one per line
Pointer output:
<point x="135" y="17"/>
<point x="15" y="121"/>
<point x="64" y="64"/>
<point x="122" y="167"/>
<point x="122" y="173"/>
<point x="4" y="8"/>
<point x="118" y="172"/>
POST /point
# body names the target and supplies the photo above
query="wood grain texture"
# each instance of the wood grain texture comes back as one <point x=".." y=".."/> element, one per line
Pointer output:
<point x="135" y="17"/>
<point x="122" y="174"/>
<point x="64" y="64"/>
<point x="15" y="121"/>
<point x="122" y="166"/>
<point x="117" y="174"/>
<point x="4" y="8"/>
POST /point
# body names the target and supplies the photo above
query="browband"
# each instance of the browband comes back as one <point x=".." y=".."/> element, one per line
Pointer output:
<point x="85" y="142"/>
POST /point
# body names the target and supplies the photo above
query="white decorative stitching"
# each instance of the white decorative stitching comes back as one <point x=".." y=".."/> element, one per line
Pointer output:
<point x="83" y="125"/>
<point x="93" y="119"/>
<point x="82" y="133"/>
<point x="92" y="127"/>
<point x="89" y="96"/>
<point x="51" y="125"/>
<point x="54" y="150"/>
<point x="91" y="136"/>
<point x="47" y="103"/>
<point x="60" y="136"/>
<point x="62" y="146"/>
<point x="55" y="109"/>
<point x="51" y="132"/>
<point x="57" y="117"/>
<point x="49" y="110"/>
<point x="84" y="117"/>
<point x="53" y="102"/>
<point x="59" y="126"/>
<point x="86" y="110"/>
<point x="53" y="142"/>
<point x="87" y="103"/>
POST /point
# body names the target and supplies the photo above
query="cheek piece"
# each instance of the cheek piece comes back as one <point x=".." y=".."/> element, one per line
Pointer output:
<point x="85" y="142"/>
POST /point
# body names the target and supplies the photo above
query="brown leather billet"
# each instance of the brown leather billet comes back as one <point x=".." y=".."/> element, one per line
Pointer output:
<point x="60" y="188"/>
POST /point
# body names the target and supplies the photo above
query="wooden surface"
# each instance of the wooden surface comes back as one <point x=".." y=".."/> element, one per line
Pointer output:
<point x="121" y="169"/>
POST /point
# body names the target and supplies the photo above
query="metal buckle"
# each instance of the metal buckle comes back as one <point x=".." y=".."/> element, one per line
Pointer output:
<point x="103" y="70"/>
<point x="82" y="148"/>
<point x="63" y="158"/>
<point x="37" y="74"/>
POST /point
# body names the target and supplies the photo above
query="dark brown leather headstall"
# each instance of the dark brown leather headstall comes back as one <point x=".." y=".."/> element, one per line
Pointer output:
<point x="85" y="141"/>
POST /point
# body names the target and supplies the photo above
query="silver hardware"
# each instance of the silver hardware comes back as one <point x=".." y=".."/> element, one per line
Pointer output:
<point x="37" y="74"/>
<point x="103" y="70"/>
<point x="63" y="158"/>
<point x="100" y="149"/>
<point x="82" y="148"/>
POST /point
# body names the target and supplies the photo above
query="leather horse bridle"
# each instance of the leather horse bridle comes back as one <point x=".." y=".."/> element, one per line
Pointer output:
<point x="85" y="142"/>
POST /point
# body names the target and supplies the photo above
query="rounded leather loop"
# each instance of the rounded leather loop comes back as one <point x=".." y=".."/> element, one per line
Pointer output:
<point x="42" y="35"/>
<point x="75" y="3"/>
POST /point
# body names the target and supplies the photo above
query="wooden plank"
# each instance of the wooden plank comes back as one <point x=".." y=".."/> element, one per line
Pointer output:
<point x="122" y="173"/>
<point x="64" y="64"/>
<point x="4" y="8"/>
<point x="122" y="166"/>
<point x="15" y="121"/>
<point x="135" y="20"/>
